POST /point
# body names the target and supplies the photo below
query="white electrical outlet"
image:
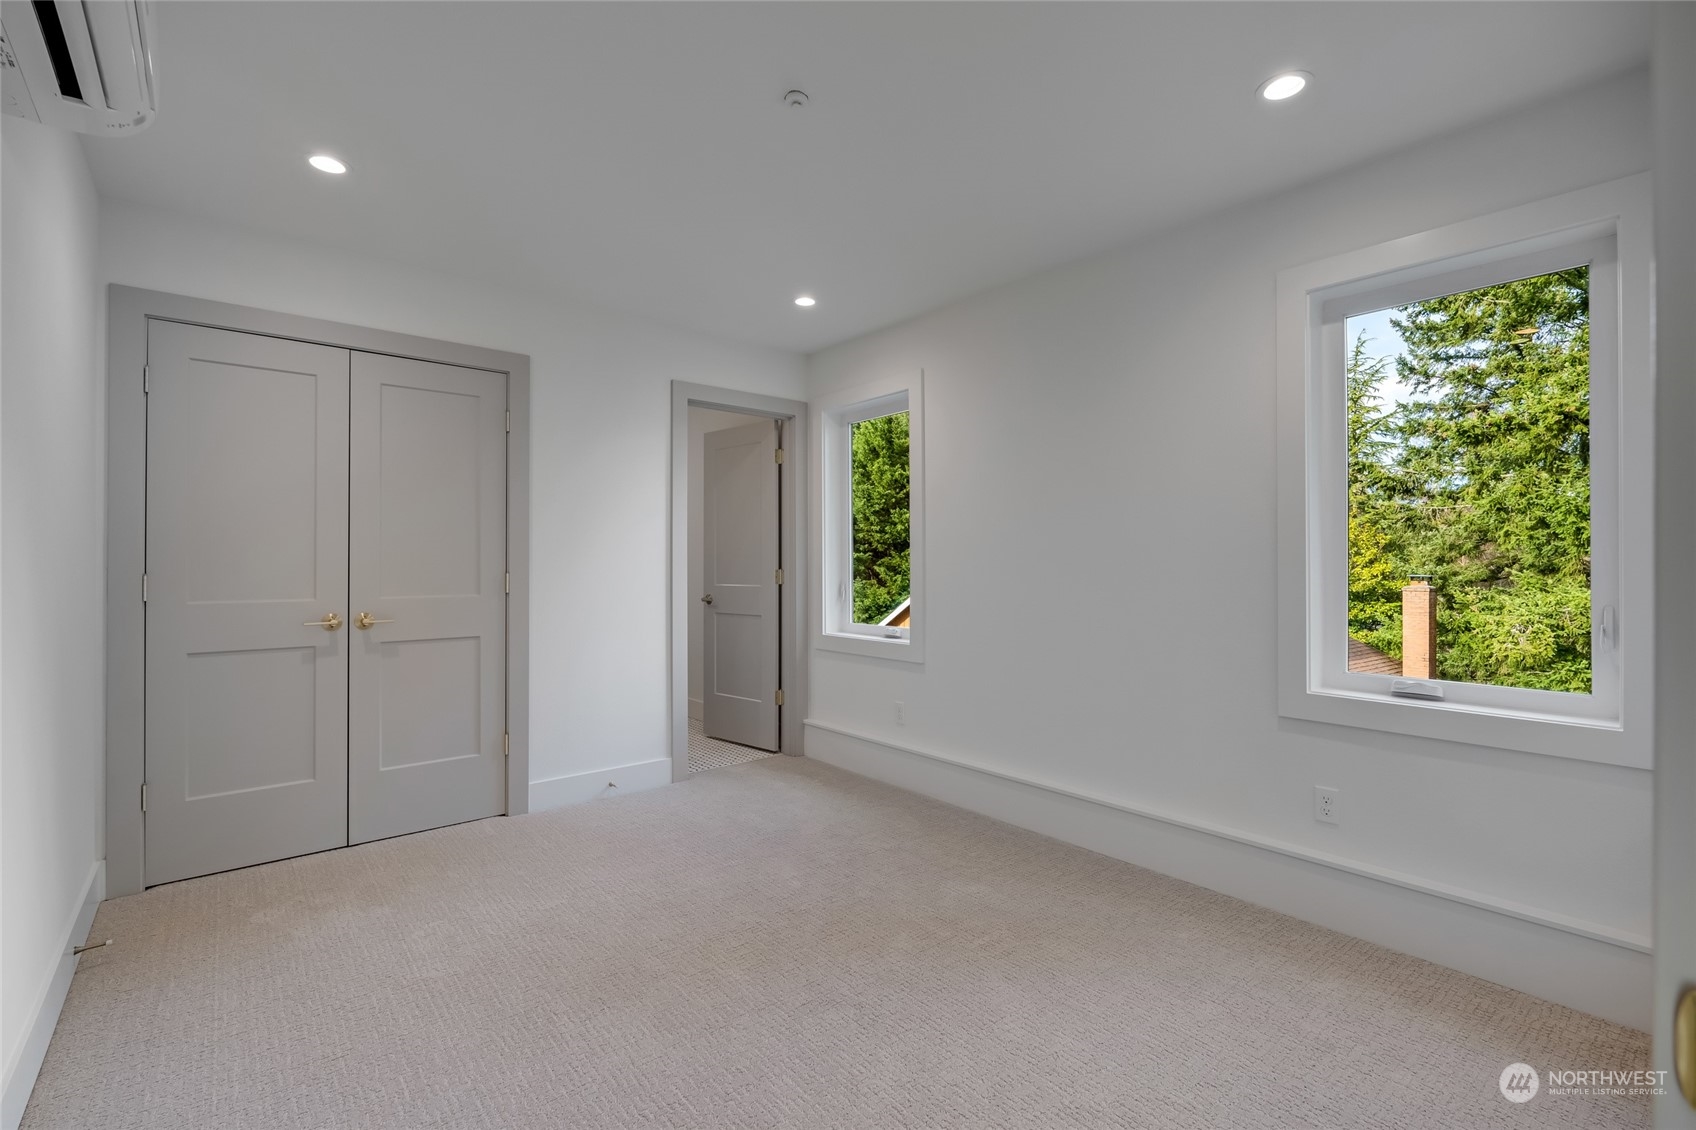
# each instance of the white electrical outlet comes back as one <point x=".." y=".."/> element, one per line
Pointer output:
<point x="1327" y="808"/>
<point x="900" y="714"/>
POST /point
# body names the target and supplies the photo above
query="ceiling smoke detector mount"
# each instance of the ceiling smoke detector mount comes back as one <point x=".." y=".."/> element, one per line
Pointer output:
<point x="795" y="98"/>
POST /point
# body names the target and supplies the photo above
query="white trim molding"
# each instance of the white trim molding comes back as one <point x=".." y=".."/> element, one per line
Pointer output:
<point x="597" y="784"/>
<point x="21" y="1073"/>
<point x="1606" y="226"/>
<point x="1591" y="966"/>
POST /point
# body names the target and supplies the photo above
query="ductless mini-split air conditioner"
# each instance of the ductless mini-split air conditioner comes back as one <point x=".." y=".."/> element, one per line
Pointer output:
<point x="80" y="66"/>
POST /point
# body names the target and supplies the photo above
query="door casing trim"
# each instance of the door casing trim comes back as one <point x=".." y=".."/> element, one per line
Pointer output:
<point x="128" y="312"/>
<point x="792" y="543"/>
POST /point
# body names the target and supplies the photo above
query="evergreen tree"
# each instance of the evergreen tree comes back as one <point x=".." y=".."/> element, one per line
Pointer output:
<point x="1375" y="576"/>
<point x="1481" y="479"/>
<point x="881" y="517"/>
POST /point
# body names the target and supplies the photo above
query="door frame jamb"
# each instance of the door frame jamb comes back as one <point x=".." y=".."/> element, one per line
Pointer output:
<point x="128" y="312"/>
<point x="792" y="548"/>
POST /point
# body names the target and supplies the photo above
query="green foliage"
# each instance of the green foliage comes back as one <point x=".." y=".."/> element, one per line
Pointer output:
<point x="1534" y="632"/>
<point x="1375" y="583"/>
<point x="1481" y="479"/>
<point x="882" y="521"/>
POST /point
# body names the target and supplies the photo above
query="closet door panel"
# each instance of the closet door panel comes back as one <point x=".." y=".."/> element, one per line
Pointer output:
<point x="247" y="556"/>
<point x="427" y="715"/>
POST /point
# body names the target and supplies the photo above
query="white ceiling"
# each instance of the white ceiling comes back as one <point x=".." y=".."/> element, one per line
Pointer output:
<point x="638" y="155"/>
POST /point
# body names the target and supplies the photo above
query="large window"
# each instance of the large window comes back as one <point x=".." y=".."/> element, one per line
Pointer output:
<point x="1468" y="419"/>
<point x="870" y="446"/>
<point x="1464" y="434"/>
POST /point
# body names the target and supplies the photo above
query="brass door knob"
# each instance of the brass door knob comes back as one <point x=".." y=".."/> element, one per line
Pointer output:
<point x="1684" y="1043"/>
<point x="329" y="623"/>
<point x="364" y="621"/>
<point x="708" y="599"/>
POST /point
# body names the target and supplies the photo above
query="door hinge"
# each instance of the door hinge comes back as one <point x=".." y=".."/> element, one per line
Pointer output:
<point x="144" y="798"/>
<point x="145" y="389"/>
<point x="144" y="588"/>
<point x="779" y="454"/>
<point x="509" y="583"/>
<point x="506" y="745"/>
<point x="780" y="696"/>
<point x="780" y="576"/>
<point x="509" y="419"/>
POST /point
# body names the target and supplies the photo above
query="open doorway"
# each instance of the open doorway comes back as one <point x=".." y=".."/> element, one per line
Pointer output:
<point x="736" y="571"/>
<point x="737" y="614"/>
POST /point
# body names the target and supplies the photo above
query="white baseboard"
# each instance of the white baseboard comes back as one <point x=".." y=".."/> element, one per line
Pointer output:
<point x="38" y="1033"/>
<point x="557" y="792"/>
<point x="1589" y="966"/>
<point x="695" y="710"/>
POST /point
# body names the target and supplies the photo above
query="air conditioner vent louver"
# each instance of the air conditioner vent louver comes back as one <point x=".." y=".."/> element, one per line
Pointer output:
<point x="58" y="51"/>
<point x="84" y="67"/>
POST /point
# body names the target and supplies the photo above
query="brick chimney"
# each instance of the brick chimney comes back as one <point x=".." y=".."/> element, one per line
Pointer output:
<point x="1419" y="630"/>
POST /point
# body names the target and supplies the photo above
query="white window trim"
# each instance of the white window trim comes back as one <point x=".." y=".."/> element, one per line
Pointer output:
<point x="1611" y="726"/>
<point x="832" y="518"/>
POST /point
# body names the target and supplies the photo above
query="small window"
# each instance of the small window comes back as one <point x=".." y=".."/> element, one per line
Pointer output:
<point x="871" y="481"/>
<point x="1464" y="451"/>
<point x="881" y="543"/>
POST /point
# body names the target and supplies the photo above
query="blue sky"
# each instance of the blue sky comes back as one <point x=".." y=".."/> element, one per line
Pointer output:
<point x="1381" y="341"/>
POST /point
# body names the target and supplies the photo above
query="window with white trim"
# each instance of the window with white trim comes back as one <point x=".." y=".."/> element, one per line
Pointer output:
<point x="1464" y="434"/>
<point x="871" y="481"/>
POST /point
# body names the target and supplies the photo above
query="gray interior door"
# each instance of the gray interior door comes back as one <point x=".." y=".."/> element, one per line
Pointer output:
<point x="739" y="636"/>
<point x="247" y="523"/>
<point x="427" y="709"/>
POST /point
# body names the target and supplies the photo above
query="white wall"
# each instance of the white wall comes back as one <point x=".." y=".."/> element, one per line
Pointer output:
<point x="601" y="441"/>
<point x="1109" y="426"/>
<point x="701" y="421"/>
<point x="52" y="767"/>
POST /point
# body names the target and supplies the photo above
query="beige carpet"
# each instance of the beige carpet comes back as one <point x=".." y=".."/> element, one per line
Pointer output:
<point x="775" y="944"/>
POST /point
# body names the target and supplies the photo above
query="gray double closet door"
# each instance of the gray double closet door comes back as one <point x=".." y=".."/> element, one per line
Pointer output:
<point x="326" y="609"/>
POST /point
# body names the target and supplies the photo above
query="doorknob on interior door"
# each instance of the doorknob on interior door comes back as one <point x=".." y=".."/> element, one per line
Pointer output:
<point x="708" y="599"/>
<point x="329" y="623"/>
<point x="365" y="620"/>
<point x="1684" y="1043"/>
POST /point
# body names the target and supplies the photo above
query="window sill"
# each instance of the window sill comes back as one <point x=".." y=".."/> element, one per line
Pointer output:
<point x="904" y="650"/>
<point x="1605" y="741"/>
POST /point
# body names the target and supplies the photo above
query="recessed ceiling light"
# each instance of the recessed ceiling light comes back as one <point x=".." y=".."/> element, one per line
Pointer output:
<point x="1286" y="85"/>
<point x="325" y="163"/>
<point x="804" y="300"/>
